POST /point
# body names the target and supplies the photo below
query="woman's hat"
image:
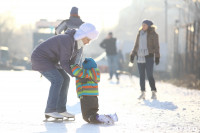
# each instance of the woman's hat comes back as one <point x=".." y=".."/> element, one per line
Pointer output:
<point x="74" y="11"/>
<point x="148" y="22"/>
<point x="86" y="30"/>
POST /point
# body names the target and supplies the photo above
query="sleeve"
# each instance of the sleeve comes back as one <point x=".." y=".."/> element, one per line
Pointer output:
<point x="157" y="46"/>
<point x="79" y="72"/>
<point x="94" y="74"/>
<point x="102" y="44"/>
<point x="61" y="27"/>
<point x="65" y="55"/>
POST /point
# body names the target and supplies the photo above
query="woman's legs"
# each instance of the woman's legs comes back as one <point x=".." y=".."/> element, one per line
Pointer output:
<point x="62" y="100"/>
<point x="141" y="68"/>
<point x="56" y="79"/>
<point x="149" y="70"/>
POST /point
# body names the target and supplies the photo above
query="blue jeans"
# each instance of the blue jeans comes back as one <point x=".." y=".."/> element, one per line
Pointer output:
<point x="58" y="91"/>
<point x="148" y="66"/>
<point x="113" y="65"/>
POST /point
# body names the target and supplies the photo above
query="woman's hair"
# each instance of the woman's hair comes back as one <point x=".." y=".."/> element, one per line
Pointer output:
<point x="74" y="15"/>
<point x="152" y="27"/>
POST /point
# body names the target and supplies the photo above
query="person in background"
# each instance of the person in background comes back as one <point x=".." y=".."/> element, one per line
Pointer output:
<point x="120" y="60"/>
<point x="73" y="22"/>
<point x="61" y="48"/>
<point x="109" y="44"/>
<point x="146" y="49"/>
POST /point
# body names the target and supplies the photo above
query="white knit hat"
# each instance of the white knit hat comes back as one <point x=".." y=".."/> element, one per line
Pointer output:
<point x="86" y="30"/>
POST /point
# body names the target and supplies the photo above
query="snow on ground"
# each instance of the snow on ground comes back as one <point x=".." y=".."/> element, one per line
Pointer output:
<point x="23" y="98"/>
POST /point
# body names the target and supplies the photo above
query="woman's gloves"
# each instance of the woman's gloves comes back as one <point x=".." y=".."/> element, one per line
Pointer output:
<point x="157" y="60"/>
<point x="132" y="58"/>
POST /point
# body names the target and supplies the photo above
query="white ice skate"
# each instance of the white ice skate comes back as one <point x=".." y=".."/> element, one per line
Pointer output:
<point x="105" y="119"/>
<point x="114" y="117"/>
<point x="54" y="115"/>
<point x="154" y="95"/>
<point x="68" y="115"/>
<point x="142" y="96"/>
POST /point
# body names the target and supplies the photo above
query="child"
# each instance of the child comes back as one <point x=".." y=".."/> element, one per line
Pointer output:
<point x="87" y="79"/>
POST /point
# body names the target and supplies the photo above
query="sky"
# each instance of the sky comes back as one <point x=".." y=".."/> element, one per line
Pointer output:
<point x="103" y="13"/>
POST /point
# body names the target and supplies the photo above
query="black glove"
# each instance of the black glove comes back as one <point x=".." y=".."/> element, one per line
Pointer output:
<point x="132" y="58"/>
<point x="157" y="60"/>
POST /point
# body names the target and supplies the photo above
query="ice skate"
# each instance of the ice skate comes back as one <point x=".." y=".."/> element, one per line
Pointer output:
<point x="105" y="119"/>
<point x="154" y="95"/>
<point x="54" y="115"/>
<point x="142" y="96"/>
<point x="68" y="115"/>
<point x="109" y="79"/>
<point x="114" y="117"/>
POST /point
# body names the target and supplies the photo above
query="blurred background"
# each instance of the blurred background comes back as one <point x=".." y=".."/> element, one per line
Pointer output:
<point x="24" y="23"/>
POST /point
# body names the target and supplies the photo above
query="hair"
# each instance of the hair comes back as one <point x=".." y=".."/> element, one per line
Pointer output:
<point x="74" y="15"/>
<point x="152" y="27"/>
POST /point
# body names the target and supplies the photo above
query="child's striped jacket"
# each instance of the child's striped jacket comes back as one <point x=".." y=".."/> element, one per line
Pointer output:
<point x="90" y="88"/>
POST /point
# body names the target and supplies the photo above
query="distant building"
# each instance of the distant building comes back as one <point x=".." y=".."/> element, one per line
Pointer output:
<point x="4" y="58"/>
<point x="44" y="30"/>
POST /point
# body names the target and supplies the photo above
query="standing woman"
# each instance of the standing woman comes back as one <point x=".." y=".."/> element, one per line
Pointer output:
<point x="60" y="48"/>
<point x="146" y="49"/>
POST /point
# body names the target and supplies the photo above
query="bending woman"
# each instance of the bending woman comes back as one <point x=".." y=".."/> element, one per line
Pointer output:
<point x="46" y="57"/>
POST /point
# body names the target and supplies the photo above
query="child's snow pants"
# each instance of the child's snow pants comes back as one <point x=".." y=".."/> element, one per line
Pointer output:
<point x="89" y="108"/>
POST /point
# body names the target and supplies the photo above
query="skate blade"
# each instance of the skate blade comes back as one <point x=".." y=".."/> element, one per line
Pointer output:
<point x="69" y="119"/>
<point x="52" y="119"/>
<point x="57" y="120"/>
<point x="109" y="124"/>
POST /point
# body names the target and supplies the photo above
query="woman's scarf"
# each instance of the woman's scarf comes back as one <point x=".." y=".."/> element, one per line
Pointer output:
<point x="143" y="50"/>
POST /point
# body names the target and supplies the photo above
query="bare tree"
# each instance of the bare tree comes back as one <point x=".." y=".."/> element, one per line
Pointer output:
<point x="6" y="29"/>
<point x="193" y="8"/>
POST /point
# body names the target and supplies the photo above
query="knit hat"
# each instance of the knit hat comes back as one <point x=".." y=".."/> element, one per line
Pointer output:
<point x="89" y="63"/>
<point x="148" y="22"/>
<point x="74" y="10"/>
<point x="110" y="33"/>
<point x="86" y="30"/>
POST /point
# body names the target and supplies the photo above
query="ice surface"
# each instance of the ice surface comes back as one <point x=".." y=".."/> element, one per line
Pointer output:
<point x="23" y="98"/>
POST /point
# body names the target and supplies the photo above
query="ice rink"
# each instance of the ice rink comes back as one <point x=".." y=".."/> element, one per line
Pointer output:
<point x="23" y="96"/>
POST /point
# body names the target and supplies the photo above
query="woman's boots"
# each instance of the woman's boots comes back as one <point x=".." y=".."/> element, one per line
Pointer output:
<point x="142" y="96"/>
